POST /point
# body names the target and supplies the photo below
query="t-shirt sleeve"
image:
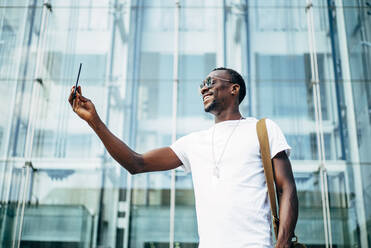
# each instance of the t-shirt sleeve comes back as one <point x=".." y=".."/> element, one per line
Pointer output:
<point x="180" y="148"/>
<point x="277" y="140"/>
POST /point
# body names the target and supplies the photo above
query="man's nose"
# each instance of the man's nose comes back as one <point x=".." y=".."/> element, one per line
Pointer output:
<point x="204" y="89"/>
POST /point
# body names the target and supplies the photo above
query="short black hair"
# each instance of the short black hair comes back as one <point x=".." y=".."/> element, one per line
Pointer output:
<point x="236" y="78"/>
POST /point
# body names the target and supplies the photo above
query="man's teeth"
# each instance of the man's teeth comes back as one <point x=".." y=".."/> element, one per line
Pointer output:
<point x="206" y="97"/>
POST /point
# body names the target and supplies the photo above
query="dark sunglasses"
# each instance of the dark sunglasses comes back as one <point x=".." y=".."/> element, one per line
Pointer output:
<point x="209" y="82"/>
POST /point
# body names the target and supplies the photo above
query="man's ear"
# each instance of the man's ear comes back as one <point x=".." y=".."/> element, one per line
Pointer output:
<point x="235" y="89"/>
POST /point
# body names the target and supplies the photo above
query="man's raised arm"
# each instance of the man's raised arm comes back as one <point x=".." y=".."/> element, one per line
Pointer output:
<point x="155" y="160"/>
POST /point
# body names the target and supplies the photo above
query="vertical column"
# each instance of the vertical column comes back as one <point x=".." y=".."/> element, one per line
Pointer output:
<point x="319" y="126"/>
<point x="34" y="110"/>
<point x="131" y="94"/>
<point x="224" y="33"/>
<point x="29" y="169"/>
<point x="16" y="226"/>
<point x="38" y="86"/>
<point x="174" y="116"/>
<point x="351" y="123"/>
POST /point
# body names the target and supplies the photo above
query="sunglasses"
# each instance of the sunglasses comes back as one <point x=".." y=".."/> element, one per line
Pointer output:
<point x="209" y="82"/>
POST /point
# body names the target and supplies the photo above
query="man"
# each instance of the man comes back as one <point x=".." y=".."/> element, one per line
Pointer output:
<point x="230" y="189"/>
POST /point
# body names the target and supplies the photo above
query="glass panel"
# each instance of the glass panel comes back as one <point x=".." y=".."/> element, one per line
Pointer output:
<point x="349" y="38"/>
<point x="12" y="31"/>
<point x="279" y="81"/>
<point x="309" y="228"/>
<point x="185" y="213"/>
<point x="62" y="205"/>
<point x="19" y="36"/>
<point x="238" y="45"/>
<point x="343" y="196"/>
<point x="13" y="186"/>
<point x="150" y="127"/>
<point x="195" y="63"/>
<point x="113" y="229"/>
<point x="281" y="89"/>
<point x="150" y="201"/>
<point x="59" y="132"/>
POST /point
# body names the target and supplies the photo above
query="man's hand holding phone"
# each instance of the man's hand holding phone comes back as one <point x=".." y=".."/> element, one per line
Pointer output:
<point x="83" y="107"/>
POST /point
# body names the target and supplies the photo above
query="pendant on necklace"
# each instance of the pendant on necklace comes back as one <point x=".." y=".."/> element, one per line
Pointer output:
<point x="216" y="172"/>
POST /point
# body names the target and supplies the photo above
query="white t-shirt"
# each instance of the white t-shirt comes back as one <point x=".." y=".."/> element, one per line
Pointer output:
<point x="232" y="210"/>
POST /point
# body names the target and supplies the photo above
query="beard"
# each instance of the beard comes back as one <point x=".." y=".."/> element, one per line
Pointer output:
<point x="211" y="106"/>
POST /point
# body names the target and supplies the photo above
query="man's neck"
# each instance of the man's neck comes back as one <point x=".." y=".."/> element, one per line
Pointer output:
<point x="227" y="115"/>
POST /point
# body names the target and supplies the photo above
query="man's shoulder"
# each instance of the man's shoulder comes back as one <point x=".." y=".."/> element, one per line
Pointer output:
<point x="250" y="119"/>
<point x="189" y="139"/>
<point x="196" y="134"/>
<point x="269" y="122"/>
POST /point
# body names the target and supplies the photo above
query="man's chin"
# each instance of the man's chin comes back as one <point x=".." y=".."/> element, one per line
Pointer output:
<point x="209" y="107"/>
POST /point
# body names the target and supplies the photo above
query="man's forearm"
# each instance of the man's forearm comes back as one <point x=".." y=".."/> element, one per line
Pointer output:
<point x="126" y="157"/>
<point x="288" y="216"/>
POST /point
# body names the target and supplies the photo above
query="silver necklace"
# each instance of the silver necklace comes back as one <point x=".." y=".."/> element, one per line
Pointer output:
<point x="216" y="170"/>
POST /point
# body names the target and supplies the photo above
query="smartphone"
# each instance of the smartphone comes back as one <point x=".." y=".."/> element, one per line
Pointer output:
<point x="77" y="82"/>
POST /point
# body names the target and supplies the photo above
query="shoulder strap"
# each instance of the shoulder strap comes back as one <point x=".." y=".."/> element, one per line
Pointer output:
<point x="268" y="170"/>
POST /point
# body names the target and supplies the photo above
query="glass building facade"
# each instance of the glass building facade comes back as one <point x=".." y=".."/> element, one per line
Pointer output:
<point x="307" y="66"/>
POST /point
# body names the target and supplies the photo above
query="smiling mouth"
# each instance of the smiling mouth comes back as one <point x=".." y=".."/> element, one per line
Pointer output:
<point x="206" y="98"/>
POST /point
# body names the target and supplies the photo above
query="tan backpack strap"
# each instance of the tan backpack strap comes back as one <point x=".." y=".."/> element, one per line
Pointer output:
<point x="268" y="170"/>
